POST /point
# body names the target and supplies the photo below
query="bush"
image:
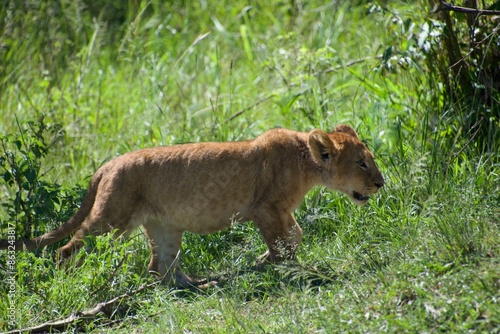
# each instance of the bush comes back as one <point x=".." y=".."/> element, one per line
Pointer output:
<point x="37" y="204"/>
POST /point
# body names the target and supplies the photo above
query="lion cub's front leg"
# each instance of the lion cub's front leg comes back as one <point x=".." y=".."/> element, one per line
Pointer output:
<point x="282" y="235"/>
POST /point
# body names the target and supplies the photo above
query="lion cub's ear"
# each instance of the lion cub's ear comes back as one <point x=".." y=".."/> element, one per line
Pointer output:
<point x="346" y="129"/>
<point x="322" y="147"/>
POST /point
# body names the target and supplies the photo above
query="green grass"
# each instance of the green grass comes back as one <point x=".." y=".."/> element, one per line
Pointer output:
<point x="422" y="256"/>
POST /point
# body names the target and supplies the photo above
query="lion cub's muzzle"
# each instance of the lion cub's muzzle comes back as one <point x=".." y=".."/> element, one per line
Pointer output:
<point x="363" y="198"/>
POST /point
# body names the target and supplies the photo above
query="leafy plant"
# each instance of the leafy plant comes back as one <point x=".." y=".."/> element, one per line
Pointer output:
<point x="35" y="203"/>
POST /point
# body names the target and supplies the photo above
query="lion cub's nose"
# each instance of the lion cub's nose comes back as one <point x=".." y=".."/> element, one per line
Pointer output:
<point x="379" y="183"/>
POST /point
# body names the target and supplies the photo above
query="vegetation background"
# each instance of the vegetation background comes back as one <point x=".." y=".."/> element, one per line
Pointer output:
<point x="83" y="81"/>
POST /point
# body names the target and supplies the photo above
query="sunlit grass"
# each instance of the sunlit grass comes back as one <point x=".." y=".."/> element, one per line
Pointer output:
<point x="421" y="256"/>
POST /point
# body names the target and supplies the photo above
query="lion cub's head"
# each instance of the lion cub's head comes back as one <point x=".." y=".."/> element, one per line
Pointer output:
<point x="346" y="163"/>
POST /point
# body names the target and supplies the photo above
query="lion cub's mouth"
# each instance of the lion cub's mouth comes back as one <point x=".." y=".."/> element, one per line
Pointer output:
<point x="360" y="197"/>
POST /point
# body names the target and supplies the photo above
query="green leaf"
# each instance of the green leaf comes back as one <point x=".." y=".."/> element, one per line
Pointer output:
<point x="387" y="54"/>
<point x="31" y="175"/>
<point x="494" y="6"/>
<point x="18" y="144"/>
<point x="8" y="178"/>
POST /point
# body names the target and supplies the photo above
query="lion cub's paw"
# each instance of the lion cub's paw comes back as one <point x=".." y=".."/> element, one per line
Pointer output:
<point x="263" y="260"/>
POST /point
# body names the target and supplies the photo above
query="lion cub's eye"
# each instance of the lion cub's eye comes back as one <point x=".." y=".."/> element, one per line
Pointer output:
<point x="325" y="156"/>
<point x="362" y="164"/>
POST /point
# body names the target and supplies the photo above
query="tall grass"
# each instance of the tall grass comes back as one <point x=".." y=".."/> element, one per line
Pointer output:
<point x="117" y="76"/>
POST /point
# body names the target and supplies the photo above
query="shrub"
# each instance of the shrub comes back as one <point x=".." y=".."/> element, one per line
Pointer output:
<point x="36" y="204"/>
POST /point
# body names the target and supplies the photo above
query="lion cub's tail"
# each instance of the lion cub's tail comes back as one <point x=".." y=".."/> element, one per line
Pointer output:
<point x="62" y="231"/>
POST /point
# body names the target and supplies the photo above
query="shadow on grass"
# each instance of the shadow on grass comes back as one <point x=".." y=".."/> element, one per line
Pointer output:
<point x="262" y="281"/>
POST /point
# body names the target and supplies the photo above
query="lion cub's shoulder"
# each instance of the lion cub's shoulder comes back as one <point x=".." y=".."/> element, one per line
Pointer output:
<point x="282" y="138"/>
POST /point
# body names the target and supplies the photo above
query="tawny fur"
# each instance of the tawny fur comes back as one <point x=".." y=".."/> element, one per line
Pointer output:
<point x="205" y="187"/>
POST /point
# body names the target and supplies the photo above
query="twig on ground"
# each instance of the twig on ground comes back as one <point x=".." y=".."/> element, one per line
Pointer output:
<point x="104" y="307"/>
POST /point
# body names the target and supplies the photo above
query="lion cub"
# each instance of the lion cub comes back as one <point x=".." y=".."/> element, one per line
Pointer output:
<point x="204" y="187"/>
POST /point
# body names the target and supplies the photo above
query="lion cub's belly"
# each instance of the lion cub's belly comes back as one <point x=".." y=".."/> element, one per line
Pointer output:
<point x="210" y="222"/>
<point x="205" y="219"/>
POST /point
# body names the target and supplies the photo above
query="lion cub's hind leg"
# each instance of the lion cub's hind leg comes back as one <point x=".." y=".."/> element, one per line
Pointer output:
<point x="69" y="250"/>
<point x="165" y="245"/>
<point x="101" y="219"/>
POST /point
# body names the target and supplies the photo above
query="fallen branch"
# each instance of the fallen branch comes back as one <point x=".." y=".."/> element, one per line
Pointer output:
<point x="106" y="308"/>
<point x="452" y="8"/>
